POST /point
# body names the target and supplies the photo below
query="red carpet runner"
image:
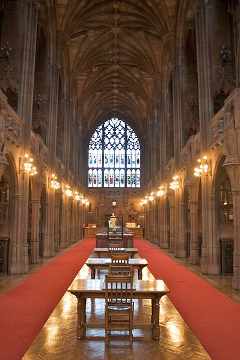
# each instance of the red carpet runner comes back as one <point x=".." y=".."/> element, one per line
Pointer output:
<point x="25" y="309"/>
<point x="213" y="317"/>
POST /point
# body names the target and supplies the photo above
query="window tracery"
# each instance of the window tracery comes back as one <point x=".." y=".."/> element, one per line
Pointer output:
<point x="114" y="156"/>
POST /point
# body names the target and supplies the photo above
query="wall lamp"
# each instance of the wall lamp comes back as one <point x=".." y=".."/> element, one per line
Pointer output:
<point x="54" y="183"/>
<point x="174" y="184"/>
<point x="28" y="165"/>
<point x="202" y="168"/>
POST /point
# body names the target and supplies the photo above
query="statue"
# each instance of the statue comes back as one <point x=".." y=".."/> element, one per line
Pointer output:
<point x="112" y="222"/>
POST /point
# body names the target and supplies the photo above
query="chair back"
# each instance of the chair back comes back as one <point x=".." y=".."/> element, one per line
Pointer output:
<point x="116" y="269"/>
<point x="118" y="289"/>
<point x="120" y="258"/>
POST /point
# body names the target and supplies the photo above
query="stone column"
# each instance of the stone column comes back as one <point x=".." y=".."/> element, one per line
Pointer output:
<point x="203" y="26"/>
<point x="194" y="246"/>
<point x="29" y="21"/>
<point x="172" y="228"/>
<point x="209" y="259"/>
<point x="49" y="244"/>
<point x="233" y="170"/>
<point x="35" y="230"/>
<point x="163" y="226"/>
<point x="177" y="104"/>
<point x="180" y="250"/>
<point x="18" y="232"/>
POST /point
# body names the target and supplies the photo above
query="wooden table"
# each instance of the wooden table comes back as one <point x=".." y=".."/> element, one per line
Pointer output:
<point x="102" y="239"/>
<point x="94" y="289"/>
<point x="105" y="251"/>
<point x="103" y="263"/>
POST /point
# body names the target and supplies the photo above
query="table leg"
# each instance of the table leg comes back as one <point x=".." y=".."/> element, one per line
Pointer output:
<point x="81" y="320"/>
<point x="139" y="273"/>
<point x="155" y="318"/>
<point x="93" y="272"/>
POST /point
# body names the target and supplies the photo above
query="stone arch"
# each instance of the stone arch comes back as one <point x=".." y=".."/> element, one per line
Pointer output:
<point x="186" y="62"/>
<point x="9" y="189"/>
<point x="42" y="220"/>
<point x="224" y="217"/>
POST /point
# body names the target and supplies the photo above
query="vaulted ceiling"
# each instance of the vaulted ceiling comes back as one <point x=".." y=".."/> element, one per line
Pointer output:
<point x="115" y="50"/>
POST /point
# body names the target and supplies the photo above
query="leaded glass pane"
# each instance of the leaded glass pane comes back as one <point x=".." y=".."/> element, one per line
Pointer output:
<point x="90" y="179"/>
<point x="106" y="178"/>
<point x="117" y="178"/>
<point x="95" y="178"/>
<point x="114" y="147"/>
<point x="99" y="178"/>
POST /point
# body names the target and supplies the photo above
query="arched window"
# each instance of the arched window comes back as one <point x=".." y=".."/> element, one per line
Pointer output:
<point x="114" y="156"/>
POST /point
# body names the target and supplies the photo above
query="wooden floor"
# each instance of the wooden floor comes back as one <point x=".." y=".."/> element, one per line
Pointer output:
<point x="57" y="339"/>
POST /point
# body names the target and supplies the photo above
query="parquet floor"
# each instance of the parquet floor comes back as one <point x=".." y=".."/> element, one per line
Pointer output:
<point x="57" y="339"/>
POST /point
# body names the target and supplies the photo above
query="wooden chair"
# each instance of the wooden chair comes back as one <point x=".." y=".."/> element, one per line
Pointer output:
<point x="118" y="304"/>
<point x="122" y="269"/>
<point x="120" y="258"/>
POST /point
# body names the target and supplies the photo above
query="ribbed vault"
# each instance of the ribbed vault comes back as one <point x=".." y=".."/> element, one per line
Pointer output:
<point x="115" y="50"/>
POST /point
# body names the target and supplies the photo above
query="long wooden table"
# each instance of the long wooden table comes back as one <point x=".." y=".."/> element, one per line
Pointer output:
<point x="103" y="263"/>
<point x="94" y="289"/>
<point x="104" y="252"/>
<point x="102" y="239"/>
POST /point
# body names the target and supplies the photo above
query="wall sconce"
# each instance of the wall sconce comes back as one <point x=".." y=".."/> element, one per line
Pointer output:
<point x="68" y="191"/>
<point x="114" y="203"/>
<point x="87" y="202"/>
<point x="202" y="168"/>
<point x="33" y="171"/>
<point x="28" y="166"/>
<point x="77" y="196"/>
<point x="162" y="191"/>
<point x="54" y="183"/>
<point x="174" y="184"/>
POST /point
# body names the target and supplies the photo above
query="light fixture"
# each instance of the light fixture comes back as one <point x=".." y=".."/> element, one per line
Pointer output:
<point x="114" y="203"/>
<point x="162" y="191"/>
<point x="77" y="196"/>
<point x="54" y="183"/>
<point x="28" y="166"/>
<point x="68" y="191"/>
<point x="202" y="168"/>
<point x="87" y="202"/>
<point x="33" y="171"/>
<point x="174" y="184"/>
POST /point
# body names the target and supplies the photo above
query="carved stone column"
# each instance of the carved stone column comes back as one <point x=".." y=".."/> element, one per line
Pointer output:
<point x="18" y="232"/>
<point x="194" y="245"/>
<point x="49" y="245"/>
<point x="163" y="225"/>
<point x="29" y="21"/>
<point x="203" y="25"/>
<point x="233" y="170"/>
<point x="35" y="231"/>
<point x="180" y="250"/>
<point x="172" y="228"/>
<point x="210" y="250"/>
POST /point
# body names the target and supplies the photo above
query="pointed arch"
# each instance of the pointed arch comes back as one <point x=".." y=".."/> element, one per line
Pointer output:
<point x="114" y="156"/>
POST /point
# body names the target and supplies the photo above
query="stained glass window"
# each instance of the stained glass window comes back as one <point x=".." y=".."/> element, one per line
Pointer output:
<point x="114" y="156"/>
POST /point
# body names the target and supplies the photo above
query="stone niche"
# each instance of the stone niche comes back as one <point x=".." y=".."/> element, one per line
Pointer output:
<point x="127" y="205"/>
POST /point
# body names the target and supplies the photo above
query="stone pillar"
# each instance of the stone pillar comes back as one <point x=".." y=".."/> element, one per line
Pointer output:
<point x="163" y="226"/>
<point x="35" y="230"/>
<point x="203" y="26"/>
<point x="172" y="227"/>
<point x="233" y="170"/>
<point x="180" y="250"/>
<point x="29" y="21"/>
<point x="209" y="259"/>
<point x="194" y="246"/>
<point x="177" y="104"/>
<point x="18" y="232"/>
<point x="49" y="244"/>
